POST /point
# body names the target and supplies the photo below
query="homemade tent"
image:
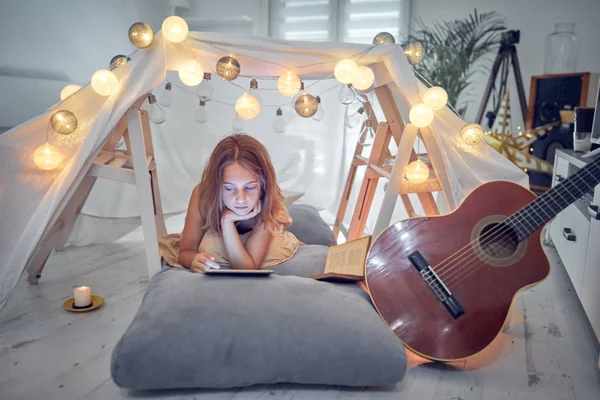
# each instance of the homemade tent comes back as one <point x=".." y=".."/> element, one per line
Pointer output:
<point x="314" y="159"/>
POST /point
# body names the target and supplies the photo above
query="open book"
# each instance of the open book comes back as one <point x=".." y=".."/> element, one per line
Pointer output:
<point x="346" y="261"/>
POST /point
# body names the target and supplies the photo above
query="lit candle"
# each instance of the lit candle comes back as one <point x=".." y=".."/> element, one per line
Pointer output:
<point x="83" y="296"/>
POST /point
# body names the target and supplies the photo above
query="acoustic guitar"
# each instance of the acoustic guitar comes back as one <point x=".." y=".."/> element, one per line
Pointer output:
<point x="445" y="284"/>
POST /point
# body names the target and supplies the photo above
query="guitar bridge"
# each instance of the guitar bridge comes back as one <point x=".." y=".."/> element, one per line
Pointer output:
<point x="436" y="284"/>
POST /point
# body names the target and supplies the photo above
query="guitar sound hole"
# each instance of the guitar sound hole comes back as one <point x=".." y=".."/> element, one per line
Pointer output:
<point x="498" y="241"/>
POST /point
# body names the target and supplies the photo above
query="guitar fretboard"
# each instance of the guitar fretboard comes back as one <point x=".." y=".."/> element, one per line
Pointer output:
<point x="535" y="214"/>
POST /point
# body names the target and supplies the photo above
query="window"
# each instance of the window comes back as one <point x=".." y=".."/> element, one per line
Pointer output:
<point x="356" y="21"/>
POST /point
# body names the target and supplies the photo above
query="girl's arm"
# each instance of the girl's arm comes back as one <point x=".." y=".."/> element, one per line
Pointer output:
<point x="251" y="256"/>
<point x="192" y="234"/>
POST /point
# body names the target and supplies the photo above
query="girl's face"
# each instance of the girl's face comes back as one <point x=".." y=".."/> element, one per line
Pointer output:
<point x="240" y="190"/>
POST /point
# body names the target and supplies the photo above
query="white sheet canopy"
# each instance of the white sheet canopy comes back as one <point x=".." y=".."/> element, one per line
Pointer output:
<point x="310" y="157"/>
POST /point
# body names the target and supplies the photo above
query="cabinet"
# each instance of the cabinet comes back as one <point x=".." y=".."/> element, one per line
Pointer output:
<point x="575" y="232"/>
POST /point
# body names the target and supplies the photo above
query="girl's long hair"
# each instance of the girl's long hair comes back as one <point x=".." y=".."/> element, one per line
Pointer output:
<point x="252" y="155"/>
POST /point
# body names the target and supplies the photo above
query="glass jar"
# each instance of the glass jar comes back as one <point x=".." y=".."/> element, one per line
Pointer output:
<point x="561" y="49"/>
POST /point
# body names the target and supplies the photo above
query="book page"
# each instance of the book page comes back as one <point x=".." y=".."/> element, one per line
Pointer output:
<point x="348" y="258"/>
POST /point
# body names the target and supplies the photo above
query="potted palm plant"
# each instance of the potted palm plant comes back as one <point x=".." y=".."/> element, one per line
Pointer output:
<point x="455" y="51"/>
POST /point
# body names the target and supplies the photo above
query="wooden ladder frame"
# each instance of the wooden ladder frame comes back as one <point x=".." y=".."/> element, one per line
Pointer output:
<point x="135" y="165"/>
<point x="404" y="137"/>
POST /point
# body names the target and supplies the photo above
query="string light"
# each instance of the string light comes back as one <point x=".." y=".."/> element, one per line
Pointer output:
<point x="367" y="134"/>
<point x="104" y="82"/>
<point x="384" y="38"/>
<point x="47" y="157"/>
<point x="421" y="115"/>
<point x="141" y="35"/>
<point x="435" y="97"/>
<point x="253" y="91"/>
<point x="414" y="52"/>
<point x="364" y="78"/>
<point x="247" y="106"/>
<point x="191" y="73"/>
<point x="306" y="105"/>
<point x="117" y="61"/>
<point x="279" y="122"/>
<point x="175" y="29"/>
<point x="352" y="120"/>
<point x="417" y="171"/>
<point x="201" y="116"/>
<point x="205" y="90"/>
<point x="345" y="71"/>
<point x="166" y="100"/>
<point x="64" y="122"/>
<point x="288" y="84"/>
<point x="156" y="113"/>
<point x="69" y="90"/>
<point x="228" y="68"/>
<point x="320" y="112"/>
<point x="346" y="95"/>
<point x="472" y="134"/>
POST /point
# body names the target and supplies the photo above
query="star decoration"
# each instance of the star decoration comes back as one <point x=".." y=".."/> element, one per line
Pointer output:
<point x="517" y="148"/>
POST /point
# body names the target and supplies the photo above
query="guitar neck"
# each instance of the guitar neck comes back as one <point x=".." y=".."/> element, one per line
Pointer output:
<point x="537" y="213"/>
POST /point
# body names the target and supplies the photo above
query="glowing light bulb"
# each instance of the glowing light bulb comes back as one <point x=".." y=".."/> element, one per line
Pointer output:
<point x="346" y="95"/>
<point x="367" y="134"/>
<point x="279" y="122"/>
<point x="384" y="38"/>
<point x="68" y="90"/>
<point x="417" y="171"/>
<point x="288" y="84"/>
<point x="306" y="105"/>
<point x="104" y="82"/>
<point x="237" y="124"/>
<point x="205" y="90"/>
<point x="166" y="100"/>
<point x="141" y="35"/>
<point x="64" y="122"/>
<point x="247" y="106"/>
<point x="175" y="29"/>
<point x="364" y="78"/>
<point x="201" y="116"/>
<point x="47" y="157"/>
<point x="421" y="115"/>
<point x="352" y="120"/>
<point x="345" y="71"/>
<point x="414" y="52"/>
<point x="117" y="61"/>
<point x="472" y="134"/>
<point x="435" y="97"/>
<point x="228" y="68"/>
<point x="156" y="113"/>
<point x="320" y="112"/>
<point x="191" y="73"/>
<point x="253" y="91"/>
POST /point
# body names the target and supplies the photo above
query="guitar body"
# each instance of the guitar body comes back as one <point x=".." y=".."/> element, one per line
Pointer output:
<point x="478" y="261"/>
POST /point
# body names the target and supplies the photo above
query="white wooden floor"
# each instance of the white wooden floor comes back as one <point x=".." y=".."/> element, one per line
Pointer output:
<point x="549" y="351"/>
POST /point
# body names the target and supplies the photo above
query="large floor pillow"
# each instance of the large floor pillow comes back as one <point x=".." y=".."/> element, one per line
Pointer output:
<point x="309" y="227"/>
<point x="201" y="331"/>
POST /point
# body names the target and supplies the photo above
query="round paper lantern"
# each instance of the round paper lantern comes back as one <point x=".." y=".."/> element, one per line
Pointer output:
<point x="68" y="90"/>
<point x="104" y="82"/>
<point x="191" y="73"/>
<point x="306" y="105"/>
<point x="417" y="171"/>
<point x="435" y="97"/>
<point x="175" y="29"/>
<point x="64" y="122"/>
<point x="117" y="61"/>
<point x="414" y="52"/>
<point x="364" y="78"/>
<point x="141" y="35"/>
<point x="228" y="68"/>
<point x="384" y="38"/>
<point x="288" y="84"/>
<point x="421" y="115"/>
<point x="247" y="106"/>
<point x="345" y="71"/>
<point x="47" y="157"/>
<point x="472" y="134"/>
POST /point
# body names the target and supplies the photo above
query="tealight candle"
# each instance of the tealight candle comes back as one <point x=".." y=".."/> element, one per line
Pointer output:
<point x="83" y="296"/>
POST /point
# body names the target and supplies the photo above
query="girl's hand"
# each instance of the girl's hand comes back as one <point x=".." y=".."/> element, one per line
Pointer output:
<point x="203" y="261"/>
<point x="230" y="216"/>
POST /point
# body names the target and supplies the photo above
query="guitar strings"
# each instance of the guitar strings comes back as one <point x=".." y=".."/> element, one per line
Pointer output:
<point x="496" y="232"/>
<point x="472" y="268"/>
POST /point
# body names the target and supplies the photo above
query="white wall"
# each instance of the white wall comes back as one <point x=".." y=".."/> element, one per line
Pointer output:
<point x="535" y="19"/>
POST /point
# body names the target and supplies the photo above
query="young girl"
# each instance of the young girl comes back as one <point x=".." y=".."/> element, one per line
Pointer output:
<point x="236" y="215"/>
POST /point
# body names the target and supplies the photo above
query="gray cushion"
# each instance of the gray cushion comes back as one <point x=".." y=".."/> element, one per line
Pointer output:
<point x="309" y="227"/>
<point x="308" y="261"/>
<point x="199" y="331"/>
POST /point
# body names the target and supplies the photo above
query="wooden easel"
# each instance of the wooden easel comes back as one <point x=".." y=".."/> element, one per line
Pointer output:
<point x="135" y="165"/>
<point x="404" y="138"/>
